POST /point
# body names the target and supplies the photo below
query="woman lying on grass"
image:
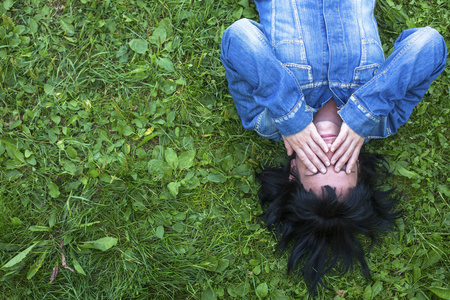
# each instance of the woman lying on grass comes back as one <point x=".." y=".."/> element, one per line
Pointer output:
<point x="313" y="73"/>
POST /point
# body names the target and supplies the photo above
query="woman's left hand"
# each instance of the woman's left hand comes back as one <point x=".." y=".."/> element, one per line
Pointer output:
<point x="347" y="146"/>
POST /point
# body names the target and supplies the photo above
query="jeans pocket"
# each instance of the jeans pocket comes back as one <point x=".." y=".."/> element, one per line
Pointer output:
<point x="303" y="73"/>
<point x="363" y="74"/>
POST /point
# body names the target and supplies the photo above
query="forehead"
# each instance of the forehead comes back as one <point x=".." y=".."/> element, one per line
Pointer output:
<point x="341" y="181"/>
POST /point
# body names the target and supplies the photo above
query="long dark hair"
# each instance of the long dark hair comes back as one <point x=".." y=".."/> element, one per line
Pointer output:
<point x="322" y="232"/>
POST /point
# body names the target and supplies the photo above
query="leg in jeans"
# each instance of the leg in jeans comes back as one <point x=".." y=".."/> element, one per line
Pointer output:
<point x="267" y="96"/>
<point x="384" y="103"/>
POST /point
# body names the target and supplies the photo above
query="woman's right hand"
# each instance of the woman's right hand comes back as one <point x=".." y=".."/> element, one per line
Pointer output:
<point x="309" y="147"/>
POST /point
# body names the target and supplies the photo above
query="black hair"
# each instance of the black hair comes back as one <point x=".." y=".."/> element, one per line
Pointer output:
<point x="323" y="232"/>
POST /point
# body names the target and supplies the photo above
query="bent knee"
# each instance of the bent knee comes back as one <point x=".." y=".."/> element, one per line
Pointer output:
<point x="242" y="28"/>
<point x="244" y="33"/>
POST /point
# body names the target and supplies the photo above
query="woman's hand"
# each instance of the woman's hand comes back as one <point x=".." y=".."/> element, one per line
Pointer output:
<point x="309" y="147"/>
<point x="348" y="144"/>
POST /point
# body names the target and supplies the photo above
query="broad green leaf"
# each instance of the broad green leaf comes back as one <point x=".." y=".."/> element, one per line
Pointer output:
<point x="368" y="293"/>
<point x="410" y="24"/>
<point x="53" y="189"/>
<point x="14" y="43"/>
<point x="77" y="266"/>
<point x="173" y="188"/>
<point x="242" y="170"/>
<point x="33" y="25"/>
<point x="19" y="29"/>
<point x="7" y="4"/>
<point x="28" y="153"/>
<point x="52" y="220"/>
<point x="377" y="288"/>
<point x="218" y="178"/>
<point x="178" y="227"/>
<point x="159" y="232"/>
<point x="166" y="64"/>
<point x="240" y="290"/>
<point x="208" y="295"/>
<point x="443" y="293"/>
<point x="404" y="172"/>
<point x="127" y="130"/>
<point x="71" y="152"/>
<point x="243" y="3"/>
<point x="157" y="168"/>
<point x="279" y="295"/>
<point x="102" y="244"/>
<point x="169" y="86"/>
<point x="262" y="290"/>
<point x="432" y="258"/>
<point x="249" y="12"/>
<point x="159" y="36"/>
<point x="12" y="150"/>
<point x="56" y="119"/>
<point x="237" y="14"/>
<point x="37" y="265"/>
<point x="14" y="124"/>
<point x="16" y="221"/>
<point x="18" y="258"/>
<point x="210" y="264"/>
<point x="186" y="159"/>
<point x="444" y="189"/>
<point x="146" y="139"/>
<point x="171" y="158"/>
<point x="39" y="228"/>
<point x="138" y="45"/>
<point x="222" y="265"/>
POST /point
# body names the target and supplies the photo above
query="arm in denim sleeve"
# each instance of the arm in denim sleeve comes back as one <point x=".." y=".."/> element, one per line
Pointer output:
<point x="266" y="94"/>
<point x="383" y="104"/>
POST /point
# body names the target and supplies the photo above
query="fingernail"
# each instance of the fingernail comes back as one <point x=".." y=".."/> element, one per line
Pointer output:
<point x="327" y="163"/>
<point x="348" y="171"/>
<point x="314" y="170"/>
<point x="337" y="169"/>
<point x="323" y="170"/>
<point x="333" y="161"/>
<point x="332" y="149"/>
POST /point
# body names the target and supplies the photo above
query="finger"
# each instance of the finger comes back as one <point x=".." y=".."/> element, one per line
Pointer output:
<point x="343" y="147"/>
<point x="345" y="157"/>
<point x="319" y="153"/>
<point x="305" y="160"/>
<point x="315" y="161"/>
<point x="353" y="159"/>
<point x="289" y="149"/>
<point x="319" y="140"/>
<point x="342" y="136"/>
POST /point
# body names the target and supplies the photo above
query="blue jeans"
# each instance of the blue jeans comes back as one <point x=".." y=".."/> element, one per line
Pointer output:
<point x="282" y="71"/>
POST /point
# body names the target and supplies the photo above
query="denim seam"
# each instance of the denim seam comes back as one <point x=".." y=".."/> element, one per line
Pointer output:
<point x="301" y="67"/>
<point x="331" y="84"/>
<point x="258" y="122"/>
<point x="267" y="135"/>
<point x="290" y="114"/>
<point x="258" y="125"/>
<point x="363" y="68"/>
<point x="363" y="109"/>
<point x="289" y="41"/>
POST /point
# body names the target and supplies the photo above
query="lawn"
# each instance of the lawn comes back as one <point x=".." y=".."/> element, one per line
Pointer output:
<point x="125" y="172"/>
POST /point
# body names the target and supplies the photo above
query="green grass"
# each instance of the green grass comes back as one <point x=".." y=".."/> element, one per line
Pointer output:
<point x="121" y="151"/>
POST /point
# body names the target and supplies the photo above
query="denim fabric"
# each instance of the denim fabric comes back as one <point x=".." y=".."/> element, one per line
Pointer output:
<point x="303" y="53"/>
